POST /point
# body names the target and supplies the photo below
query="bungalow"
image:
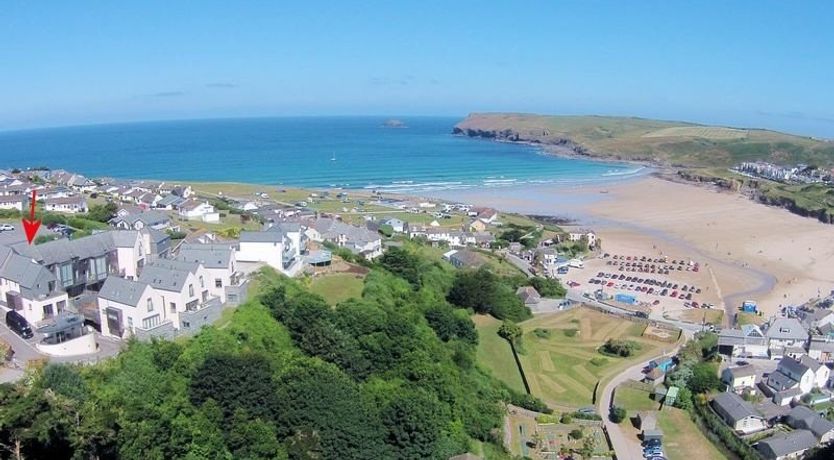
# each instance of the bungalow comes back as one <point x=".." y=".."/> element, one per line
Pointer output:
<point x="54" y="192"/>
<point x="739" y="378"/>
<point x="647" y="423"/>
<point x="749" y="341"/>
<point x="17" y="202"/>
<point x="529" y="295"/>
<point x="486" y="215"/>
<point x="398" y="225"/>
<point x="198" y="210"/>
<point x="464" y="258"/>
<point x="738" y="413"/>
<point x="787" y="446"/>
<point x="803" y="418"/>
<point x="142" y="219"/>
<point x="170" y="202"/>
<point x="71" y="204"/>
<point x="274" y="248"/>
<point x="356" y="239"/>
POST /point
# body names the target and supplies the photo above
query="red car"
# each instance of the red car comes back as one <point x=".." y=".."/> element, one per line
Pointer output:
<point x="673" y="294"/>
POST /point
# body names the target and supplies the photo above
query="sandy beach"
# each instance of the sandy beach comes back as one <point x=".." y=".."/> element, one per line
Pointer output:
<point x="750" y="251"/>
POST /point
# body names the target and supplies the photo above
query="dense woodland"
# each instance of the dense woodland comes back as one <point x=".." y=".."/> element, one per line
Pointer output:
<point x="391" y="375"/>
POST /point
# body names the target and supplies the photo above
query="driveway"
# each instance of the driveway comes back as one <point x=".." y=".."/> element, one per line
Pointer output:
<point x="625" y="446"/>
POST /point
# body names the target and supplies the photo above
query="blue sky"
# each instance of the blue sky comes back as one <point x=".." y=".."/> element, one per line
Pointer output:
<point x="758" y="63"/>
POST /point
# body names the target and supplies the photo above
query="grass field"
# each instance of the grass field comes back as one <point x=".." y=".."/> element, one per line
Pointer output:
<point x="338" y="287"/>
<point x="697" y="315"/>
<point x="494" y="352"/>
<point x="743" y="318"/>
<point x="704" y="132"/>
<point x="632" y="399"/>
<point x="563" y="370"/>
<point x="682" y="440"/>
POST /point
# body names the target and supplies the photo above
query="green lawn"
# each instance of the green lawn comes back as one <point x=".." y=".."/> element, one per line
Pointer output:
<point x="494" y="352"/>
<point x="338" y="287"/>
<point x="632" y="399"/>
<point x="682" y="440"/>
<point x="748" y="318"/>
<point x="563" y="370"/>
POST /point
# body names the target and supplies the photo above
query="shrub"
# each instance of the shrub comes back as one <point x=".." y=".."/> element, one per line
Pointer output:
<point x="570" y="332"/>
<point x="624" y="348"/>
<point x="599" y="361"/>
<point x="566" y="418"/>
<point x="541" y="333"/>
<point x="618" y="414"/>
<point x="576" y="434"/>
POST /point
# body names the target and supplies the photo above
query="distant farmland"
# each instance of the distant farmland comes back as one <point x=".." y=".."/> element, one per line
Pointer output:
<point x="704" y="132"/>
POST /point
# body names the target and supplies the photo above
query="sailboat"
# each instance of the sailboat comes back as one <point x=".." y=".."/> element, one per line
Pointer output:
<point x="333" y="158"/>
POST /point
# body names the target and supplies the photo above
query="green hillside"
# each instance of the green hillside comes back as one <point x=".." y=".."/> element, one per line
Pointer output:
<point x="661" y="142"/>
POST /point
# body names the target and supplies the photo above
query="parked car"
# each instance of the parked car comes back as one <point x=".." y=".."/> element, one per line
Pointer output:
<point x="6" y="227"/>
<point x="18" y="324"/>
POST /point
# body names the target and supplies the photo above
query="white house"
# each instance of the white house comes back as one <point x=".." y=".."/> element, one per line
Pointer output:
<point x="272" y="247"/>
<point x="218" y="261"/>
<point x="739" y="378"/>
<point x="71" y="204"/>
<point x="749" y="341"/>
<point x="198" y="210"/>
<point x="18" y="202"/>
<point x="125" y="305"/>
<point x="588" y="234"/>
<point x="29" y="287"/>
<point x="794" y="378"/>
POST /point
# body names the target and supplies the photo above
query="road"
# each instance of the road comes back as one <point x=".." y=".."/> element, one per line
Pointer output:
<point x="520" y="263"/>
<point x="626" y="447"/>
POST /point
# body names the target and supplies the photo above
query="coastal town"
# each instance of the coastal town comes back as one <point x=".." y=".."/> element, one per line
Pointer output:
<point x="168" y="259"/>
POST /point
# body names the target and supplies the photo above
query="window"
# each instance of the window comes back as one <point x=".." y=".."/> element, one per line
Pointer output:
<point x="150" y="322"/>
<point x="202" y="283"/>
<point x="47" y="311"/>
<point x="173" y="307"/>
<point x="218" y="283"/>
<point x="61" y="305"/>
<point x="101" y="267"/>
<point x="65" y="274"/>
<point x="190" y="290"/>
<point x="130" y="323"/>
<point x="150" y="304"/>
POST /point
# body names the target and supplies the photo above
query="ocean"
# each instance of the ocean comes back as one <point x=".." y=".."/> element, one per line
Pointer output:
<point x="316" y="152"/>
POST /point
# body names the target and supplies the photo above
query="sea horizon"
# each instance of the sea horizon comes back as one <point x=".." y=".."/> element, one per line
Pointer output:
<point x="349" y="152"/>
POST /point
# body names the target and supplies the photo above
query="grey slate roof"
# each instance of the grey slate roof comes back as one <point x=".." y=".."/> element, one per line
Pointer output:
<point x="779" y="381"/>
<point x="786" y="443"/>
<point x="210" y="255"/>
<point x="741" y="371"/>
<point x="786" y="329"/>
<point x="793" y="367"/>
<point x="803" y="418"/>
<point x="274" y="236"/>
<point x="810" y="362"/>
<point x="64" y="250"/>
<point x="122" y="290"/>
<point x="746" y="336"/>
<point x="733" y="407"/>
<point x="168" y="275"/>
<point x="30" y="275"/>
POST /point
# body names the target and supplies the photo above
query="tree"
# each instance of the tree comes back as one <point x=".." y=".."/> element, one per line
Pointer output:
<point x="235" y="382"/>
<point x="102" y="212"/>
<point x="618" y="414"/>
<point x="399" y="262"/>
<point x="704" y="378"/>
<point x="414" y="421"/>
<point x="624" y="348"/>
<point x="253" y="439"/>
<point x="487" y="293"/>
<point x="448" y="325"/>
<point x="510" y="331"/>
<point x="576" y="433"/>
<point x="548" y="287"/>
<point x="65" y="381"/>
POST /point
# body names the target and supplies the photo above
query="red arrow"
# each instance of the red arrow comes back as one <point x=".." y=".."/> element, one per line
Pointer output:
<point x="30" y="225"/>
